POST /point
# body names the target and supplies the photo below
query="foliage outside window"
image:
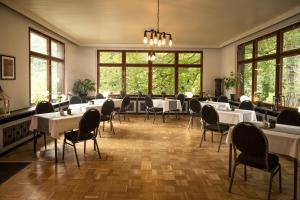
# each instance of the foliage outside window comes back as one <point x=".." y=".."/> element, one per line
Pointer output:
<point x="163" y="80"/>
<point x="189" y="58"/>
<point x="189" y="80"/>
<point x="133" y="73"/>
<point x="265" y="89"/>
<point x="164" y="58"/>
<point x="246" y="51"/>
<point x="46" y="67"/>
<point x="110" y="79"/>
<point x="137" y="80"/>
<point x="246" y="79"/>
<point x="290" y="86"/>
<point x="291" y="39"/>
<point x="271" y="60"/>
<point x="266" y="46"/>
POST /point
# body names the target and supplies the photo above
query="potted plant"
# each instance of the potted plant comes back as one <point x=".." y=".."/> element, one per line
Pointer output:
<point x="230" y="82"/>
<point x="83" y="87"/>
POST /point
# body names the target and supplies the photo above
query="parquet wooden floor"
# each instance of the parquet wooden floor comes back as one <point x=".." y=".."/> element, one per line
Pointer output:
<point x="142" y="161"/>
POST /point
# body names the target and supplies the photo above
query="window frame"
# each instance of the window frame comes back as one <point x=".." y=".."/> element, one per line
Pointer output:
<point x="49" y="59"/>
<point x="278" y="56"/>
<point x="150" y="65"/>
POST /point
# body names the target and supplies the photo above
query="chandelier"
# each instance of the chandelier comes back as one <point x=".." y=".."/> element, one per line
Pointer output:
<point x="155" y="37"/>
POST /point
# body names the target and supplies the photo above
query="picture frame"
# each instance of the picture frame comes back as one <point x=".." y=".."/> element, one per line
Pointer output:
<point x="8" y="67"/>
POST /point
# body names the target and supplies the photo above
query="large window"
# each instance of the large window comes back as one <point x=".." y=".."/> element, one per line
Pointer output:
<point x="46" y="67"/>
<point x="172" y="72"/>
<point x="270" y="67"/>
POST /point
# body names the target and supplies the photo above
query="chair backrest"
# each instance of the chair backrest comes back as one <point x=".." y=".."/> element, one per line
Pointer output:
<point x="289" y="117"/>
<point x="100" y="96"/>
<point x="148" y="102"/>
<point x="181" y="98"/>
<point x="75" y="100"/>
<point x="195" y="106"/>
<point x="108" y="107"/>
<point x="223" y="99"/>
<point x="209" y="114"/>
<point x="126" y="102"/>
<point x="89" y="122"/>
<point x="251" y="141"/>
<point x="246" y="105"/>
<point x="44" y="107"/>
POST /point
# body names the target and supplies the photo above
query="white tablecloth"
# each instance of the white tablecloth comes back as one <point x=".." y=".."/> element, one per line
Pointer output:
<point x="54" y="123"/>
<point x="282" y="139"/>
<point x="166" y="105"/>
<point x="216" y="105"/>
<point x="117" y="102"/>
<point x="82" y="107"/>
<point x="236" y="116"/>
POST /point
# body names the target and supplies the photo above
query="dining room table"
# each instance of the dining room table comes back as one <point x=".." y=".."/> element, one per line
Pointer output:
<point x="282" y="139"/>
<point x="236" y="116"/>
<point x="56" y="123"/>
<point x="216" y="105"/>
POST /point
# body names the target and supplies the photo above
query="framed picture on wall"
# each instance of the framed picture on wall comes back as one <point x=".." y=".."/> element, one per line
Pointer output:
<point x="8" y="68"/>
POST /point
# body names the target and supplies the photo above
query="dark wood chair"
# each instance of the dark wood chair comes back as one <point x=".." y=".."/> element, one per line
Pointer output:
<point x="42" y="107"/>
<point x="195" y="111"/>
<point x="107" y="114"/>
<point x="253" y="146"/>
<point x="246" y="105"/>
<point x="124" y="107"/>
<point x="100" y="96"/>
<point x="289" y="117"/>
<point x="181" y="98"/>
<point x="222" y="99"/>
<point x="75" y="100"/>
<point x="151" y="109"/>
<point x="88" y="129"/>
<point x="211" y="122"/>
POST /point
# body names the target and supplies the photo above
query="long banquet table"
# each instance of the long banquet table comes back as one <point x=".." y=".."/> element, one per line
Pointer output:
<point x="283" y="140"/>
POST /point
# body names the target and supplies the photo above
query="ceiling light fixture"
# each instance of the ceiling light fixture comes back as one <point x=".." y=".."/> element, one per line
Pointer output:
<point x="155" y="37"/>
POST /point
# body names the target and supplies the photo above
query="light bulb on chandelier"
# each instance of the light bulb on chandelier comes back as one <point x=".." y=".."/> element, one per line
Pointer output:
<point x="157" y="38"/>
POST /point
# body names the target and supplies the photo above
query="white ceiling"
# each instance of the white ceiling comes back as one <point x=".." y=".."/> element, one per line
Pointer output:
<point x="193" y="23"/>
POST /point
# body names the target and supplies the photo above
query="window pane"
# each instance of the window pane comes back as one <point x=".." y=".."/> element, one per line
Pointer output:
<point x="57" y="50"/>
<point x="291" y="39"/>
<point x="266" y="46"/>
<point x="136" y="58"/>
<point x="291" y="81"/>
<point x="110" y="79"/>
<point x="137" y="80"/>
<point x="246" y="51"/>
<point x="189" y="80"/>
<point x="266" y="80"/>
<point x="38" y="43"/>
<point x="163" y="80"/>
<point x="110" y="57"/>
<point x="189" y="58"/>
<point x="38" y="79"/>
<point x="164" y="58"/>
<point x="56" y="79"/>
<point x="246" y="79"/>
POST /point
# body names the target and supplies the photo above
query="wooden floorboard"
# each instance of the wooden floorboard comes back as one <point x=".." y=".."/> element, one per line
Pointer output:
<point x="160" y="161"/>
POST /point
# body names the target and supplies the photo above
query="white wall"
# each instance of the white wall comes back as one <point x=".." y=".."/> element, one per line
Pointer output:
<point x="14" y="41"/>
<point x="211" y="69"/>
